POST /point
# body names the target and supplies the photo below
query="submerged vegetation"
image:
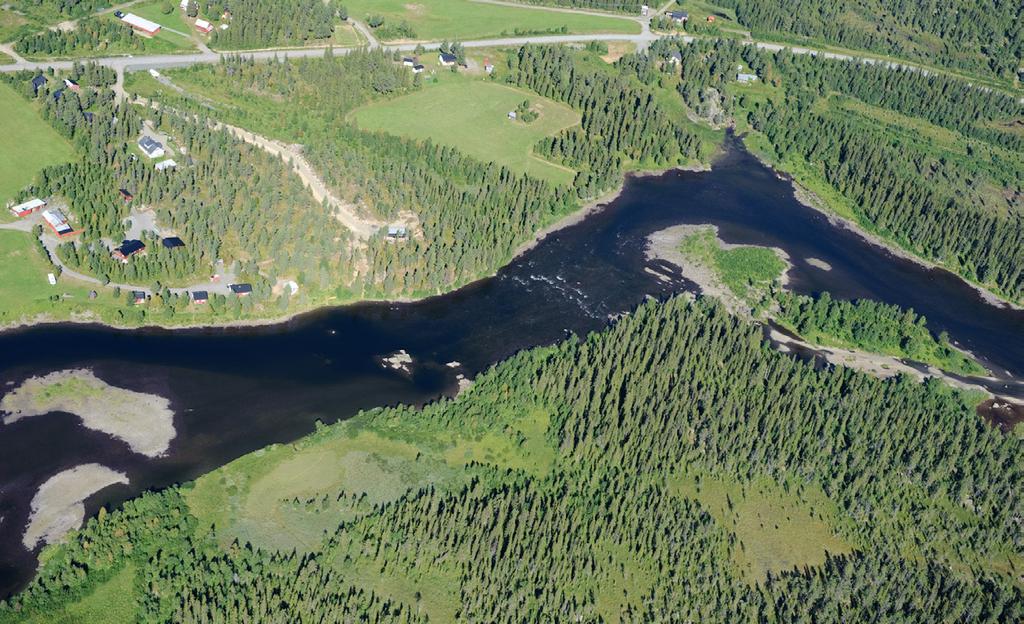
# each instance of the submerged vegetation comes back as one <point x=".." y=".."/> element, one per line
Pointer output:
<point x="676" y="443"/>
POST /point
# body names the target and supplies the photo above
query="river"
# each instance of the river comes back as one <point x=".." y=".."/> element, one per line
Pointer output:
<point x="235" y="390"/>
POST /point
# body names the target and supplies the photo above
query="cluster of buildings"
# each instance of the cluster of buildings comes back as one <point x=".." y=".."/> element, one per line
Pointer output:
<point x="155" y="149"/>
<point x="414" y="63"/>
<point x="52" y="217"/>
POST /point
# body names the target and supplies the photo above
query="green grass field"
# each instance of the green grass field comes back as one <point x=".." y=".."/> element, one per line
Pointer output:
<point x="25" y="293"/>
<point x="465" y="19"/>
<point x="113" y="600"/>
<point x="777" y="530"/>
<point x="165" y="41"/>
<point x="27" y="144"/>
<point x="287" y="495"/>
<point x="472" y="115"/>
<point x="747" y="271"/>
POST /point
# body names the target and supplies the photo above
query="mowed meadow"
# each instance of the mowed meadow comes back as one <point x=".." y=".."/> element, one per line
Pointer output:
<point x="467" y="19"/>
<point x="472" y="115"/>
<point x="28" y="143"/>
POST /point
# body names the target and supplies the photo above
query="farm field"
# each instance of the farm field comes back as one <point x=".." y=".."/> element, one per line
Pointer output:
<point x="472" y="115"/>
<point x="465" y="19"/>
<point x="25" y="293"/>
<point x="33" y="140"/>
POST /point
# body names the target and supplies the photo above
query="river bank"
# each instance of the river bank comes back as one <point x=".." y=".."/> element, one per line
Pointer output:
<point x="808" y="198"/>
<point x="90" y="317"/>
<point x="666" y="245"/>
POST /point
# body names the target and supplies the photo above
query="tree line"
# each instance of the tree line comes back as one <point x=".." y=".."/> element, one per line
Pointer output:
<point x="922" y="486"/>
<point x="264" y="23"/>
<point x="622" y="122"/>
<point x="986" y="36"/>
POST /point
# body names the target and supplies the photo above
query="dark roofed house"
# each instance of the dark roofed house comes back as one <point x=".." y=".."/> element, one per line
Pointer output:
<point x="58" y="94"/>
<point x="152" y="147"/>
<point x="172" y="242"/>
<point x="679" y="16"/>
<point x="417" y="69"/>
<point x="242" y="290"/>
<point x="675" y="57"/>
<point x="128" y="249"/>
<point x="447" y="59"/>
<point x="200" y="296"/>
<point x="37" y="83"/>
<point x="138" y="297"/>
<point x="126" y="195"/>
<point x="408" y="61"/>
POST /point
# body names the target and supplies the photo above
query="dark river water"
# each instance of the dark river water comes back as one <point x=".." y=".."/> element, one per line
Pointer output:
<point x="235" y="390"/>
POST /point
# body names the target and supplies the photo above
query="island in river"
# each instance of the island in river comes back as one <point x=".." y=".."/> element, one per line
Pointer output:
<point x="236" y="390"/>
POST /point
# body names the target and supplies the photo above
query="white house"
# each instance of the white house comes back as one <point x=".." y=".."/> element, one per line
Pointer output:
<point x="166" y="164"/>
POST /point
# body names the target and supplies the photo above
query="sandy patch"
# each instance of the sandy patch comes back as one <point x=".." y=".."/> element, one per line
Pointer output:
<point x="57" y="507"/>
<point x="144" y="421"/>
<point x="818" y="263"/>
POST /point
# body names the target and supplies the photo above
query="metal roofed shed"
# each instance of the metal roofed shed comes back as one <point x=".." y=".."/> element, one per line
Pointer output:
<point x="26" y="208"/>
<point x="141" y="24"/>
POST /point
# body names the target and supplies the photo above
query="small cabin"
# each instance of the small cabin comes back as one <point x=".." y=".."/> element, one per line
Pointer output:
<point x="199" y="297"/>
<point x="746" y="78"/>
<point x="679" y="17"/>
<point x="409" y="61"/>
<point x="417" y="69"/>
<point x="138" y="297"/>
<point x="127" y="249"/>
<point x="397" y="232"/>
<point x="37" y="83"/>
<point x="512" y="115"/>
<point x="241" y="290"/>
<point x="126" y="195"/>
<point x="172" y="242"/>
<point x="447" y="60"/>
<point x="166" y="164"/>
<point x="151" y="147"/>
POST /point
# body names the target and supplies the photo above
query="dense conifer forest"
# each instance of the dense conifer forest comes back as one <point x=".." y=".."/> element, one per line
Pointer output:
<point x="985" y="36"/>
<point x="623" y="122"/>
<point x="590" y="517"/>
<point x="91" y="35"/>
<point x="268" y="23"/>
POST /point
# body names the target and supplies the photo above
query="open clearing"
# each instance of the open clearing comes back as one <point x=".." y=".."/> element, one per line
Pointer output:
<point x="776" y="530"/>
<point x="464" y="19"/>
<point x="472" y="115"/>
<point x="28" y="143"/>
<point x="144" y="421"/>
